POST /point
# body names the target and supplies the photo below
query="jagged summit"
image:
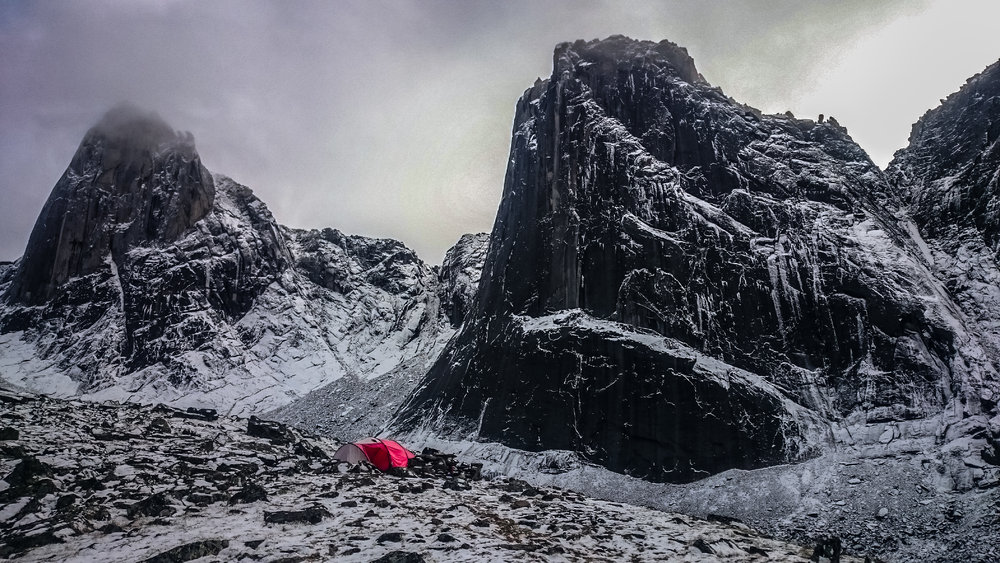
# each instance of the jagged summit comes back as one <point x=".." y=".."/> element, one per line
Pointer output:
<point x="605" y="53"/>
<point x="947" y="172"/>
<point x="967" y="118"/>
<point x="132" y="181"/>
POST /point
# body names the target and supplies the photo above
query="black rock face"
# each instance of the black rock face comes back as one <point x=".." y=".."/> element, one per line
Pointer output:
<point x="648" y="217"/>
<point x="161" y="296"/>
<point x="133" y="181"/>
<point x="948" y="170"/>
<point x="134" y="258"/>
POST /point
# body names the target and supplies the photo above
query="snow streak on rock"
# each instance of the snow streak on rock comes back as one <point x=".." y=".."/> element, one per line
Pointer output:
<point x="949" y="178"/>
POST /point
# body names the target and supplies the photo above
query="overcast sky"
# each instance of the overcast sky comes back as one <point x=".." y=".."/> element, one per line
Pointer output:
<point x="393" y="118"/>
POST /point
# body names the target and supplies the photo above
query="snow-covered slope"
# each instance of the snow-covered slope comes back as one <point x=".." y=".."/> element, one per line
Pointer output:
<point x="909" y="496"/>
<point x="361" y="403"/>
<point x="131" y="290"/>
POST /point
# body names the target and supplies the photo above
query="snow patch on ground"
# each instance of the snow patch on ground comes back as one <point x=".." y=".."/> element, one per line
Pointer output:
<point x="20" y="366"/>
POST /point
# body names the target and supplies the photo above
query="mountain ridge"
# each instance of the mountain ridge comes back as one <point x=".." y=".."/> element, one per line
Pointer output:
<point x="148" y="278"/>
<point x="739" y="309"/>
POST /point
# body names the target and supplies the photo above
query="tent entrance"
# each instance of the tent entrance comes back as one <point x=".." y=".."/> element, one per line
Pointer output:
<point x="383" y="454"/>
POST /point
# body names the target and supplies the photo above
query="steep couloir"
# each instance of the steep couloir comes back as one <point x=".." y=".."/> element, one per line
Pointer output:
<point x="949" y="179"/>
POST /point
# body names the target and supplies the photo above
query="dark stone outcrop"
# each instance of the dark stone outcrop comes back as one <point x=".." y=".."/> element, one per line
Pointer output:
<point x="459" y="276"/>
<point x="154" y="505"/>
<point x="251" y="492"/>
<point x="693" y="286"/>
<point x="827" y="549"/>
<point x="189" y="551"/>
<point x="400" y="557"/>
<point x="308" y="515"/>
<point x="276" y="432"/>
<point x="433" y="463"/>
<point x="16" y="542"/>
<point x="158" y="426"/>
<point x="29" y="477"/>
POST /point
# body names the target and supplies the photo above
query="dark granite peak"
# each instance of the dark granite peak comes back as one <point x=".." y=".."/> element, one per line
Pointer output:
<point x="131" y="125"/>
<point x="693" y="286"/>
<point x="133" y="181"/>
<point x="947" y="172"/>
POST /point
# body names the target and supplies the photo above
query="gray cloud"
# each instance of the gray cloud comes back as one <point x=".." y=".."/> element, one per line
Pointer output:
<point x="380" y="118"/>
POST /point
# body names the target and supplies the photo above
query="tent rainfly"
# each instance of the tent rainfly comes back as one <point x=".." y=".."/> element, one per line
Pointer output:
<point x="383" y="454"/>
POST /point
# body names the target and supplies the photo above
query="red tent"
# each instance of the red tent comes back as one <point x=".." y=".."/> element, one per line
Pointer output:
<point x="381" y="453"/>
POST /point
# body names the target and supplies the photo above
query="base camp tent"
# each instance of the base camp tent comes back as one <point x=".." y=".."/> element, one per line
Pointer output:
<point x="380" y="453"/>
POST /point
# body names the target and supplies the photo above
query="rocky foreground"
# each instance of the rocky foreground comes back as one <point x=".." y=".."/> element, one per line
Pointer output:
<point x="124" y="482"/>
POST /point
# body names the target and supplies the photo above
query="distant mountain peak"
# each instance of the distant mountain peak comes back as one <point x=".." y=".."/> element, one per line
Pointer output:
<point x="147" y="278"/>
<point x="132" y="181"/>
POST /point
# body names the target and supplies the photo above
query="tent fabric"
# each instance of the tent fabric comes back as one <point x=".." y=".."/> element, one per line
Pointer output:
<point x="350" y="453"/>
<point x="383" y="454"/>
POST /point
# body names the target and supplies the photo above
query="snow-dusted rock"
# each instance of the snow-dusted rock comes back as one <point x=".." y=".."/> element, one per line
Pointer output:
<point x="948" y="179"/>
<point x="739" y="287"/>
<point x="134" y="181"/>
<point x="459" y="276"/>
<point x="149" y="279"/>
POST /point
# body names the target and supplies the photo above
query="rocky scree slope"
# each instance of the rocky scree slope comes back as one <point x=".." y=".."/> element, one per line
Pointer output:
<point x="897" y="491"/>
<point x="147" y="278"/>
<point x="123" y="482"/>
<point x="697" y="286"/>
